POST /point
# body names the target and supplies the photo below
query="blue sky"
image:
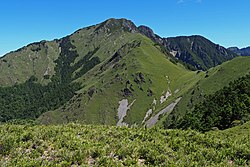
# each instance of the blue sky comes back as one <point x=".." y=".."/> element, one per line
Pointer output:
<point x="225" y="22"/>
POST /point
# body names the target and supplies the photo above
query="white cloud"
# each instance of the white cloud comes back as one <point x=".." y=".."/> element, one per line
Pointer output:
<point x="184" y="1"/>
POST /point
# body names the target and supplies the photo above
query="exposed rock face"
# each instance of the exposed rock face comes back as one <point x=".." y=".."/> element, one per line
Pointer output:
<point x="122" y="111"/>
<point x="154" y="119"/>
<point x="139" y="78"/>
<point x="234" y="49"/>
<point x="198" y="51"/>
<point x="148" y="32"/>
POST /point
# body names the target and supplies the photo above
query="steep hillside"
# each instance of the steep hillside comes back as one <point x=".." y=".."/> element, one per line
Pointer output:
<point x="241" y="52"/>
<point x="82" y="145"/>
<point x="222" y="109"/>
<point x="214" y="80"/>
<point x="104" y="74"/>
<point x="196" y="52"/>
<point x="37" y="59"/>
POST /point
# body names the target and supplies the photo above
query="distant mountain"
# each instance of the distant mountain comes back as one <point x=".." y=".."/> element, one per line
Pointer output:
<point x="241" y="52"/>
<point x="196" y="51"/>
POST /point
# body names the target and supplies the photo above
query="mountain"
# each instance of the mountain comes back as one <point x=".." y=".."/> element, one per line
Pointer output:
<point x="108" y="73"/>
<point x="134" y="80"/>
<point x="241" y="52"/>
<point x="196" y="51"/>
<point x="112" y="73"/>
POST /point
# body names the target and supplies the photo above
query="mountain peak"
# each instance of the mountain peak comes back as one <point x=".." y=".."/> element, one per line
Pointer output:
<point x="233" y="48"/>
<point x="242" y="52"/>
<point x="113" y="24"/>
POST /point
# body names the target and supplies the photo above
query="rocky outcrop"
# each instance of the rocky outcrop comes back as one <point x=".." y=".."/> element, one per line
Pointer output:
<point x="154" y="119"/>
<point x="148" y="32"/>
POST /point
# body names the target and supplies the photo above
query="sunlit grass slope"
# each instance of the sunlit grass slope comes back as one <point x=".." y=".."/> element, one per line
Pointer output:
<point x="83" y="145"/>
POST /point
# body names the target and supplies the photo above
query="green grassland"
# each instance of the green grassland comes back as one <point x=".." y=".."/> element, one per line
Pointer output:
<point x="36" y="59"/>
<point x="93" y="145"/>
<point x="215" y="79"/>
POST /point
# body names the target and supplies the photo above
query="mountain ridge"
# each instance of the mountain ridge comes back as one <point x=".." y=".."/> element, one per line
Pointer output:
<point x="195" y="50"/>
<point x="242" y="52"/>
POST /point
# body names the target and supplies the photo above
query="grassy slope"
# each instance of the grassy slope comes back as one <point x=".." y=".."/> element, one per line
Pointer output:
<point x="17" y="67"/>
<point x="222" y="75"/>
<point x="218" y="77"/>
<point x="83" y="145"/>
<point x="146" y="59"/>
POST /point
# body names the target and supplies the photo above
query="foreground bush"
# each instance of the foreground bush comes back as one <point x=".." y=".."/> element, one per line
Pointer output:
<point x="83" y="145"/>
